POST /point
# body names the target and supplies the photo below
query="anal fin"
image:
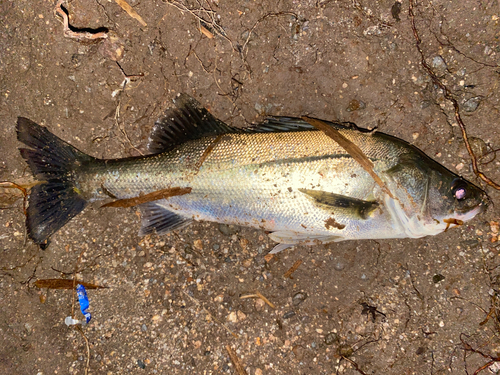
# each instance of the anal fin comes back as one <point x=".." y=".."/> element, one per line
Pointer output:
<point x="288" y="239"/>
<point x="155" y="217"/>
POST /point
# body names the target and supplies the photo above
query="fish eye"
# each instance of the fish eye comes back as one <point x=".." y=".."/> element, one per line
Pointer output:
<point x="459" y="189"/>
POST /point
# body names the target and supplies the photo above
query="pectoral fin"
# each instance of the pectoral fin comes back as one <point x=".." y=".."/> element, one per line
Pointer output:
<point x="357" y="207"/>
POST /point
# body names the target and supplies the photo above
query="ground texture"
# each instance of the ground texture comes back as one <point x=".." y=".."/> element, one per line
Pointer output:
<point x="173" y="304"/>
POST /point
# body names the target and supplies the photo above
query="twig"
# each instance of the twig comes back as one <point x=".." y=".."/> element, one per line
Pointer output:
<point x="88" y="349"/>
<point x="259" y="21"/>
<point x="64" y="284"/>
<point x="235" y="361"/>
<point x="288" y="274"/>
<point x="127" y="79"/>
<point x="448" y="96"/>
<point x="130" y="11"/>
<point x="8" y="184"/>
<point x="117" y="116"/>
<point x="469" y="348"/>
<point x="209" y="12"/>
<point x="355" y="365"/>
<point x="205" y="31"/>
<point x="257" y="294"/>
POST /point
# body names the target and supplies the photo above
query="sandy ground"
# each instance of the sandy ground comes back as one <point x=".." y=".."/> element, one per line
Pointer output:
<point x="173" y="303"/>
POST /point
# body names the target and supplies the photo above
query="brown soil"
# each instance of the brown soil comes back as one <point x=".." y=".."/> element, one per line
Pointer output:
<point x="173" y="302"/>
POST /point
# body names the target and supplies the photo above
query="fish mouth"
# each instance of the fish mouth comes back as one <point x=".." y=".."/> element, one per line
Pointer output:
<point x="480" y="208"/>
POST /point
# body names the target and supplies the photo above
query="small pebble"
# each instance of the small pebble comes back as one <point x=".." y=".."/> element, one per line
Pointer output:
<point x="232" y="317"/>
<point x="227" y="230"/>
<point x="331" y="338"/>
<point x="345" y="350"/>
<point x="298" y="298"/>
<point x="438" y="63"/>
<point x="288" y="314"/>
<point x="198" y="244"/>
<point x="339" y="266"/>
<point x="141" y="364"/>
<point x="437" y="278"/>
<point x="472" y="104"/>
<point x="354" y="105"/>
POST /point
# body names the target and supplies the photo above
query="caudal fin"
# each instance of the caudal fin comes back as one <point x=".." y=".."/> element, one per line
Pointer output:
<point x="56" y="200"/>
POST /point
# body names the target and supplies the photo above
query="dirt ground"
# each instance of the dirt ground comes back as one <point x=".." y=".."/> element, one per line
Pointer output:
<point x="173" y="304"/>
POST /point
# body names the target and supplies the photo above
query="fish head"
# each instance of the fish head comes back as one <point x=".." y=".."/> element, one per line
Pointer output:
<point x="453" y="199"/>
<point x="429" y="198"/>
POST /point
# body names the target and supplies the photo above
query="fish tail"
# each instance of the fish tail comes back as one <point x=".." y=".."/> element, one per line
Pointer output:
<point x="57" y="199"/>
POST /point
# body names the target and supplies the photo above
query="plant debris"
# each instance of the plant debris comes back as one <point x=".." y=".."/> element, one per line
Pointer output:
<point x="259" y="295"/>
<point x="64" y="284"/>
<point x="240" y="370"/>
<point x="351" y="149"/>
<point x="154" y="196"/>
<point x="288" y="274"/>
<point x="130" y="11"/>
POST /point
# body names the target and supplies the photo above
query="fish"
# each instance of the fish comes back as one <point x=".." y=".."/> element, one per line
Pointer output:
<point x="283" y="176"/>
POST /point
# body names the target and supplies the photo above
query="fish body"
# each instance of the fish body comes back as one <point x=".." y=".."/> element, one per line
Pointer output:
<point x="283" y="176"/>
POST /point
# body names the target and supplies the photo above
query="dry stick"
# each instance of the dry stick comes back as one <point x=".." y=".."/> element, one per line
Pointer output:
<point x="351" y="149"/>
<point x="130" y="11"/>
<point x="292" y="269"/>
<point x="355" y="365"/>
<point x="257" y="294"/>
<point x="235" y="361"/>
<point x="155" y="195"/>
<point x="117" y="116"/>
<point x="447" y="95"/>
<point x="205" y="31"/>
<point x="217" y="28"/>
<point x="468" y="347"/>
<point x="262" y="19"/>
<point x="19" y="187"/>
<point x="87" y="365"/>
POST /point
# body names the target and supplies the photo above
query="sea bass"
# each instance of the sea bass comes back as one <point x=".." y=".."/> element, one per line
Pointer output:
<point x="283" y="176"/>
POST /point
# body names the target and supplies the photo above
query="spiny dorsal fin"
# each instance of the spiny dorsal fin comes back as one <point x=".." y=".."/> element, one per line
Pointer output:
<point x="293" y="124"/>
<point x="186" y="121"/>
<point x="357" y="207"/>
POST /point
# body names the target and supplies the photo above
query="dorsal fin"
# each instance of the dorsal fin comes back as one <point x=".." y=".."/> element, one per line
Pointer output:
<point x="292" y="124"/>
<point x="186" y="121"/>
